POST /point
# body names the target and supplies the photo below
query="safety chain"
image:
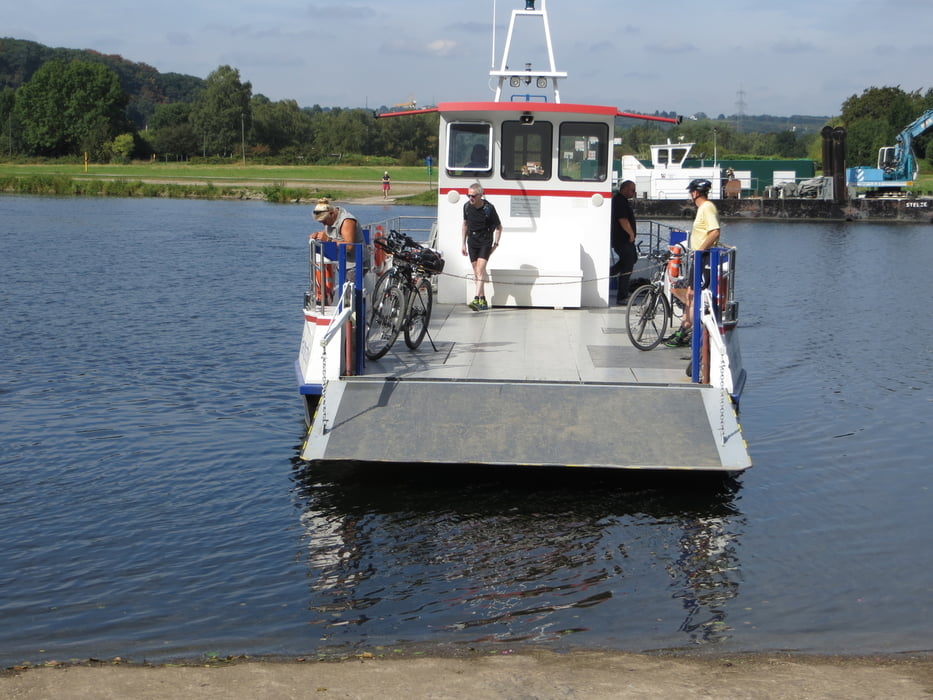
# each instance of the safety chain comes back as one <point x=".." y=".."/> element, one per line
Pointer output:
<point x="708" y="319"/>
<point x="722" y="395"/>
<point x="323" y="406"/>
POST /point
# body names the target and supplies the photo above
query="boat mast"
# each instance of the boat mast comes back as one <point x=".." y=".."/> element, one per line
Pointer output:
<point x="518" y="78"/>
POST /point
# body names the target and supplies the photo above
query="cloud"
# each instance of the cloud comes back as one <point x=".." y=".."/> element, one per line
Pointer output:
<point x="328" y="13"/>
<point x="401" y="46"/>
<point x="481" y="28"/>
<point x="442" y="47"/>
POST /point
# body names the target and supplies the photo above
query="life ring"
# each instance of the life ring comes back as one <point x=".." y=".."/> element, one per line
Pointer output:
<point x="723" y="287"/>
<point x="327" y="286"/>
<point x="379" y="253"/>
<point x="673" y="264"/>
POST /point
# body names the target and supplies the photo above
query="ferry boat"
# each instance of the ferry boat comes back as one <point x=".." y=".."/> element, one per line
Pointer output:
<point x="547" y="377"/>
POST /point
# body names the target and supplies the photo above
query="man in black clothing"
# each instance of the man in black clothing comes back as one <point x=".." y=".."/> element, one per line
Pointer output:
<point x="481" y="232"/>
<point x="622" y="238"/>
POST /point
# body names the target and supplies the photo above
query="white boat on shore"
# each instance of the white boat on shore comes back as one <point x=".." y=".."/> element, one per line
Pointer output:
<point x="547" y="376"/>
<point x="668" y="175"/>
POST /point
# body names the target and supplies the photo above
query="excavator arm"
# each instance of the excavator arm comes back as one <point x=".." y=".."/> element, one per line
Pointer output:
<point x="899" y="162"/>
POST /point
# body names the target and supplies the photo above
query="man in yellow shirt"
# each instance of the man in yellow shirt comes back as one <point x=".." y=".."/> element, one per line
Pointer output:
<point x="703" y="236"/>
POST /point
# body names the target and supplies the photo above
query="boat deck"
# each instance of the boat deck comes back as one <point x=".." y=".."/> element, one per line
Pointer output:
<point x="521" y="386"/>
<point x="518" y="344"/>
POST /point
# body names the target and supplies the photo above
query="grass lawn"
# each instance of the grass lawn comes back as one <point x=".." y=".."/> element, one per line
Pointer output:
<point x="410" y="185"/>
<point x="231" y="172"/>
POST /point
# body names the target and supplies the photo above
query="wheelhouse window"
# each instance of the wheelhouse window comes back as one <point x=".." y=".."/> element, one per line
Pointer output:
<point x="469" y="149"/>
<point x="526" y="150"/>
<point x="584" y="152"/>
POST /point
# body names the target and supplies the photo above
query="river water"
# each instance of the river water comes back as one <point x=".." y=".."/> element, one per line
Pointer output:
<point x="154" y="506"/>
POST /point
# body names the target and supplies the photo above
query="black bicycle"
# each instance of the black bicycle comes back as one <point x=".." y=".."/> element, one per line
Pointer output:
<point x="403" y="296"/>
<point x="649" y="310"/>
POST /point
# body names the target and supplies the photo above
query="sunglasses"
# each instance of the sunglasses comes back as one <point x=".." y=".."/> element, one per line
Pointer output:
<point x="472" y="196"/>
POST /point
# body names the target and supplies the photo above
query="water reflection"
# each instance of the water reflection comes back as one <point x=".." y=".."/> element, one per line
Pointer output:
<point x="471" y="556"/>
<point x="707" y="573"/>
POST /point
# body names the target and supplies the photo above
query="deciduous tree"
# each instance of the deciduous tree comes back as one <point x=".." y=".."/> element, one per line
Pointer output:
<point x="221" y="111"/>
<point x="70" y="108"/>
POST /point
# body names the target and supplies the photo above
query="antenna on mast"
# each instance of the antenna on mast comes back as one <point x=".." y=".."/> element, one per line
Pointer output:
<point x="519" y="78"/>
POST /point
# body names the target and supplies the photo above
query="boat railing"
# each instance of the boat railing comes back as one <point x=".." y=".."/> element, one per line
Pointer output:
<point x="342" y="314"/>
<point x="420" y="228"/>
<point x="653" y="239"/>
<point x="336" y="290"/>
<point x="654" y="236"/>
<point x="724" y="307"/>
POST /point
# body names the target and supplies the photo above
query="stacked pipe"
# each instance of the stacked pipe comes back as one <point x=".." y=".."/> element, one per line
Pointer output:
<point x="839" y="165"/>
<point x="834" y="160"/>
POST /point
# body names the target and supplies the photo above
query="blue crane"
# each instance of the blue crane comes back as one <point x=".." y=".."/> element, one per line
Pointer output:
<point x="897" y="164"/>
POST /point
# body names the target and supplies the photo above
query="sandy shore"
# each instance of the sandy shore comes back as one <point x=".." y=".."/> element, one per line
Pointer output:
<point x="584" y="675"/>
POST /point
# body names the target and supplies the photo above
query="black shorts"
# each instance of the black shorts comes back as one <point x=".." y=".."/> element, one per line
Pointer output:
<point x="479" y="247"/>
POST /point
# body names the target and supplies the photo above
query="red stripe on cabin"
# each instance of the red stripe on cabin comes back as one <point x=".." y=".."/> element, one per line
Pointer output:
<point x="529" y="193"/>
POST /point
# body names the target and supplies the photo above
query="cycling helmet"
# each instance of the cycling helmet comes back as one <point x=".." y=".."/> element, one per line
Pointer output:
<point x="700" y="185"/>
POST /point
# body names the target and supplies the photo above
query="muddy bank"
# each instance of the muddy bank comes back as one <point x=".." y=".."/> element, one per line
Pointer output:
<point x="589" y="675"/>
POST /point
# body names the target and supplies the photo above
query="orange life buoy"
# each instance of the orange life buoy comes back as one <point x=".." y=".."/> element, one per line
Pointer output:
<point x="327" y="285"/>
<point x="673" y="264"/>
<point x="379" y="253"/>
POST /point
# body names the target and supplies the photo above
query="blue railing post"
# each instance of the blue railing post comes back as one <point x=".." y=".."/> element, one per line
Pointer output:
<point x="715" y="257"/>
<point x="359" y="306"/>
<point x="697" y="331"/>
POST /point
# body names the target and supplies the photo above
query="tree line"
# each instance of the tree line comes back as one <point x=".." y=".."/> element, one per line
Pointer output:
<point x="872" y="120"/>
<point x="61" y="103"/>
<point x="64" y="103"/>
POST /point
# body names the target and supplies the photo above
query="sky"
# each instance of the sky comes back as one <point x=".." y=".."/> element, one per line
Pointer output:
<point x="782" y="58"/>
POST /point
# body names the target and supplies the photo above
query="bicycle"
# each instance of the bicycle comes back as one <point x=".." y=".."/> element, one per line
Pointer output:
<point x="649" y="310"/>
<point x="403" y="296"/>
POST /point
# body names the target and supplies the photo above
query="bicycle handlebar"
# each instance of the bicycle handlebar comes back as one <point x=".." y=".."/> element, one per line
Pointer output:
<point x="397" y="242"/>
<point x="407" y="250"/>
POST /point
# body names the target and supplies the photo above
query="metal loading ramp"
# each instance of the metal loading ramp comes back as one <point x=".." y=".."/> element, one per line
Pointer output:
<point x="528" y="423"/>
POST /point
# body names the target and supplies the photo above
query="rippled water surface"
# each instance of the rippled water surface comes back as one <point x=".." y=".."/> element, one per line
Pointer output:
<point x="154" y="506"/>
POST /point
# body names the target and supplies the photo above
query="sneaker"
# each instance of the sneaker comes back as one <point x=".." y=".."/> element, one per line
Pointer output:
<point x="678" y="339"/>
<point x="474" y="305"/>
<point x="483" y="306"/>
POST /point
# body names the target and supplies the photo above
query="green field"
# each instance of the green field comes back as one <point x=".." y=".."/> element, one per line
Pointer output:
<point x="238" y="172"/>
<point x="302" y="184"/>
<point x="412" y="185"/>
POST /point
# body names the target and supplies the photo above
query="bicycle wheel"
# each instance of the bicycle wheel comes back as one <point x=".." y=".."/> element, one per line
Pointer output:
<point x="389" y="278"/>
<point x="385" y="322"/>
<point x="419" y="313"/>
<point x="647" y="317"/>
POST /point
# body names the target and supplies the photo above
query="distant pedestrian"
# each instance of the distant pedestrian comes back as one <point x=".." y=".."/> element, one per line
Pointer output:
<point x="386" y="185"/>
